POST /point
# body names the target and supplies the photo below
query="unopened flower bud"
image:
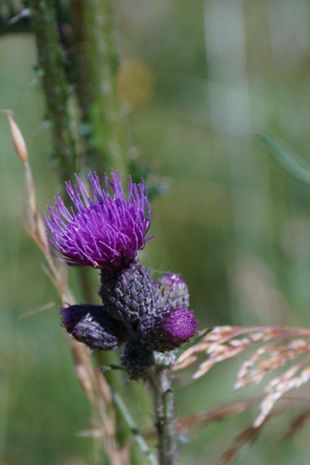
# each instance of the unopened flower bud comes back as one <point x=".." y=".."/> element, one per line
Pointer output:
<point x="129" y="293"/>
<point x="168" y="329"/>
<point x="94" y="326"/>
<point x="172" y="292"/>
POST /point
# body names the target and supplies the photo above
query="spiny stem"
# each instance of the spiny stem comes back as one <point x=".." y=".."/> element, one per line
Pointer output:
<point x="165" y="422"/>
<point x="96" y="62"/>
<point x="56" y="88"/>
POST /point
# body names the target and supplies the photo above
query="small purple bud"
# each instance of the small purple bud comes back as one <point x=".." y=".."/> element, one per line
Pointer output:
<point x="180" y="325"/>
<point x="168" y="329"/>
<point x="93" y="325"/>
<point x="172" y="292"/>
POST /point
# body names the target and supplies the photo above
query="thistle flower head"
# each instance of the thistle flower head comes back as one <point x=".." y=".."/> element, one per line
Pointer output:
<point x="94" y="326"/>
<point x="168" y="329"/>
<point x="128" y="293"/>
<point x="172" y="291"/>
<point x="179" y="325"/>
<point x="103" y="228"/>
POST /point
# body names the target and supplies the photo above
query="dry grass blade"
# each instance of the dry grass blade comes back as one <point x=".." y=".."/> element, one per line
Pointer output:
<point x="247" y="436"/>
<point x="90" y="433"/>
<point x="17" y="137"/>
<point x="35" y="311"/>
<point x="189" y="423"/>
<point x="297" y="424"/>
<point x="251" y="433"/>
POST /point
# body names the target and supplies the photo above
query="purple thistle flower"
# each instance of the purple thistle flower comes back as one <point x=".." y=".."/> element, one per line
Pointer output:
<point x="104" y="228"/>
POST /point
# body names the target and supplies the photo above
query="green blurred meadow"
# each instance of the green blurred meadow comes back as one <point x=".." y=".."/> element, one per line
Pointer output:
<point x="199" y="81"/>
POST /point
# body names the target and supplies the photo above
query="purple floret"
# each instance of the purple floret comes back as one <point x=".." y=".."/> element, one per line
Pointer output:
<point x="168" y="329"/>
<point x="180" y="325"/>
<point x="104" y="228"/>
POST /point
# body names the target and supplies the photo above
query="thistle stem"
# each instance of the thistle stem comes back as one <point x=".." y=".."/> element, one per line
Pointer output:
<point x="164" y="410"/>
<point x="56" y="89"/>
<point x="96" y="62"/>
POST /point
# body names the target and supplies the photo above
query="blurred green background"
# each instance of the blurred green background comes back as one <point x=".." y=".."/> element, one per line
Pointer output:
<point x="199" y="80"/>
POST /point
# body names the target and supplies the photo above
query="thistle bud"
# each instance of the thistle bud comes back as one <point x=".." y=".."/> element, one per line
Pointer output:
<point x="172" y="292"/>
<point x="168" y="329"/>
<point x="93" y="325"/>
<point x="129" y="293"/>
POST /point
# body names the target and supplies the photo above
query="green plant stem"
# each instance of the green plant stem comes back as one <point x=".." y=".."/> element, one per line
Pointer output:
<point x="164" y="409"/>
<point x="97" y="62"/>
<point x="134" y="430"/>
<point x="116" y="382"/>
<point x="56" y="88"/>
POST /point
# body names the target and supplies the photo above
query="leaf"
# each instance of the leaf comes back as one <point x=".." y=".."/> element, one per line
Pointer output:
<point x="297" y="424"/>
<point x="246" y="436"/>
<point x="286" y="158"/>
